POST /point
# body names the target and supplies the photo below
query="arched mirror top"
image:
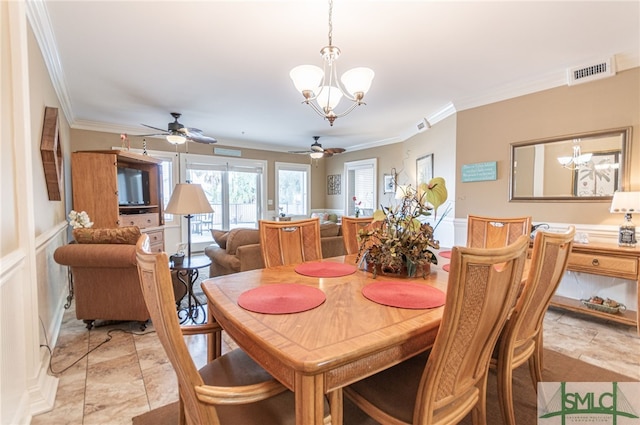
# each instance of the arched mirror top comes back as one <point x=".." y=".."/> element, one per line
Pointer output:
<point x="578" y="167"/>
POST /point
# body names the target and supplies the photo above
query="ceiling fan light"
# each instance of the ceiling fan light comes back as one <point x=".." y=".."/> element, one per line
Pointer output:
<point x="358" y="80"/>
<point x="176" y="139"/>
<point x="329" y="97"/>
<point x="306" y="77"/>
<point x="316" y="155"/>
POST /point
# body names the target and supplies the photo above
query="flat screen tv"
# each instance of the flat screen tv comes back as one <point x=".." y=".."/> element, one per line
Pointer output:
<point x="133" y="187"/>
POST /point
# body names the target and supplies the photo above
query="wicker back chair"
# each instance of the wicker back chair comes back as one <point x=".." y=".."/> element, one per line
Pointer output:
<point x="494" y="232"/>
<point x="350" y="228"/>
<point x="231" y="389"/>
<point x="521" y="339"/>
<point x="290" y="242"/>
<point x="448" y="383"/>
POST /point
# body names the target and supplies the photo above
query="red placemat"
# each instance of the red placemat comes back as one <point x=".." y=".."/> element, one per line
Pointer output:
<point x="324" y="269"/>
<point x="445" y="254"/>
<point x="446" y="267"/>
<point x="404" y="294"/>
<point x="281" y="298"/>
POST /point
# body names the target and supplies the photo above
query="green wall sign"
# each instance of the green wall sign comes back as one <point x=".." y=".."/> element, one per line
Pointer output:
<point x="480" y="171"/>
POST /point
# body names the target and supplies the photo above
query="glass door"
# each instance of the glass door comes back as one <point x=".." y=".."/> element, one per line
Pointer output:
<point x="234" y="188"/>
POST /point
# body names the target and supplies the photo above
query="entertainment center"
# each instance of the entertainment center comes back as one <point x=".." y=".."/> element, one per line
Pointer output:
<point x="120" y="188"/>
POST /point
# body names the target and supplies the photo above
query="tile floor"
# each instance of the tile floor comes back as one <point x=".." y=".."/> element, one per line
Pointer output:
<point x="130" y="375"/>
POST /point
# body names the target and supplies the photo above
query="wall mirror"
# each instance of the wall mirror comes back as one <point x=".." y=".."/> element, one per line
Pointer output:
<point x="577" y="167"/>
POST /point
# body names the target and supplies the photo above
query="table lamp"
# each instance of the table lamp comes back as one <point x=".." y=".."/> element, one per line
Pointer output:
<point x="626" y="203"/>
<point x="188" y="199"/>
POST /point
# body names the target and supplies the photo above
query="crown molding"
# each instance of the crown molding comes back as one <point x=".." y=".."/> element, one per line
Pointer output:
<point x="552" y="80"/>
<point x="38" y="17"/>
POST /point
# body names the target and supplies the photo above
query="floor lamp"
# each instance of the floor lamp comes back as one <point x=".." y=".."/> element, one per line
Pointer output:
<point x="188" y="199"/>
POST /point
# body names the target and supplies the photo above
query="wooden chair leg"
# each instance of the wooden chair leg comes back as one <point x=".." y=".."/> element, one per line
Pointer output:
<point x="183" y="418"/>
<point x="535" y="363"/>
<point x="479" y="412"/>
<point x="505" y="392"/>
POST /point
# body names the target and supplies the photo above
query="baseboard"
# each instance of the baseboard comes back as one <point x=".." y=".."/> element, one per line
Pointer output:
<point x="43" y="388"/>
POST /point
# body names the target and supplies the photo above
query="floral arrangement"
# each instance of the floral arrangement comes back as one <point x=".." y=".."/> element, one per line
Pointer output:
<point x="356" y="204"/>
<point x="79" y="220"/>
<point x="397" y="240"/>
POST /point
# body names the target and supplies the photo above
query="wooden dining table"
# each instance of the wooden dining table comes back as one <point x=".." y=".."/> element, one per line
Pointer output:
<point x="346" y="338"/>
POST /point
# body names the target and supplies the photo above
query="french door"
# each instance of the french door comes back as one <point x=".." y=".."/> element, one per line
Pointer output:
<point x="235" y="189"/>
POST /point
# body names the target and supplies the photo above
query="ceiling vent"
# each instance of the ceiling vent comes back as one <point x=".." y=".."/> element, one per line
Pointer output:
<point x="595" y="71"/>
<point x="423" y="125"/>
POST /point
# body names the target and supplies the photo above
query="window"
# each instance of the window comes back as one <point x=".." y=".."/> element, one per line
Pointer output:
<point x="293" y="183"/>
<point x="361" y="184"/>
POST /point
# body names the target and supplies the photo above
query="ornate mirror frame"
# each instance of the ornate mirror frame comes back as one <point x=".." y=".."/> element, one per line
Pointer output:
<point x="603" y="166"/>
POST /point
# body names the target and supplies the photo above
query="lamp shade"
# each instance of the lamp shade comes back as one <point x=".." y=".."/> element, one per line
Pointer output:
<point x="306" y="77"/>
<point x="358" y="80"/>
<point x="329" y="97"/>
<point x="188" y="198"/>
<point x="625" y="202"/>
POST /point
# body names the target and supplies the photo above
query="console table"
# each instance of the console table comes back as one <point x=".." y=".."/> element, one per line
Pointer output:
<point x="604" y="259"/>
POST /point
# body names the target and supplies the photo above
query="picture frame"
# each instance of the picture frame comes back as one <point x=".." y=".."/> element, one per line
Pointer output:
<point x="599" y="177"/>
<point x="424" y="169"/>
<point x="389" y="183"/>
<point x="333" y="184"/>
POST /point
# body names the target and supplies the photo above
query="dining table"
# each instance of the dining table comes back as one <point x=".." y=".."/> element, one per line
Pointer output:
<point x="320" y="331"/>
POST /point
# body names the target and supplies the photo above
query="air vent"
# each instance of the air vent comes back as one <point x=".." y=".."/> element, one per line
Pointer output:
<point x="596" y="71"/>
<point x="423" y="125"/>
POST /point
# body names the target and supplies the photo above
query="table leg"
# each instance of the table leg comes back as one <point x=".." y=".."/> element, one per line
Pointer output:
<point x="335" y="407"/>
<point x="309" y="396"/>
<point x="194" y="307"/>
<point x="214" y="341"/>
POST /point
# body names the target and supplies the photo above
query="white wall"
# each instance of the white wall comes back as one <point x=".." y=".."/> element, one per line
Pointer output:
<point x="27" y="238"/>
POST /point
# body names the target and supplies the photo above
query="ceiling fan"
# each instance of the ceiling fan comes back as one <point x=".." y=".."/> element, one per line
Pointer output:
<point x="176" y="133"/>
<point x="317" y="151"/>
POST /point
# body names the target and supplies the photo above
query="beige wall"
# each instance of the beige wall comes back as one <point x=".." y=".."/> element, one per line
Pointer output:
<point x="43" y="94"/>
<point x="440" y="141"/>
<point x="485" y="134"/>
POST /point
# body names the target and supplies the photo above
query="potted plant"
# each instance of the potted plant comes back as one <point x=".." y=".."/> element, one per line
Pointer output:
<point x="398" y="241"/>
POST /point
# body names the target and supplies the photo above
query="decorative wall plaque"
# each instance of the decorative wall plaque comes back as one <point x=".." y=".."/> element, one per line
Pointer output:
<point x="51" y="153"/>
<point x="333" y="184"/>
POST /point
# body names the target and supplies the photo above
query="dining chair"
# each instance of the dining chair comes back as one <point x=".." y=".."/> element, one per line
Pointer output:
<point x="351" y="226"/>
<point x="230" y="389"/>
<point x="289" y="242"/>
<point x="521" y="338"/>
<point x="444" y="385"/>
<point x="494" y="232"/>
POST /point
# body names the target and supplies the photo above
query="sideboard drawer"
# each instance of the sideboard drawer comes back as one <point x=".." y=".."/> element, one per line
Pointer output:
<point x="156" y="240"/>
<point x="625" y="267"/>
<point x="140" y="220"/>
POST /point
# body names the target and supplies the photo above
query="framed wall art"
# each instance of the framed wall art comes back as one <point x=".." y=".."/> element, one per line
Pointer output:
<point x="424" y="169"/>
<point x="333" y="184"/>
<point x="389" y="183"/>
<point x="598" y="177"/>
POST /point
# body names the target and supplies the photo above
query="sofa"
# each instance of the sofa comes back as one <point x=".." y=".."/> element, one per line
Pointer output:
<point x="238" y="250"/>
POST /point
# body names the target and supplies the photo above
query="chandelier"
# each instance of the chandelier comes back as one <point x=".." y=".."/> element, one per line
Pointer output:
<point x="578" y="160"/>
<point x="321" y="88"/>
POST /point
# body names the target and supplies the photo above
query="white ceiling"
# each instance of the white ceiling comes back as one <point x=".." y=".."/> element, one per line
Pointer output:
<point x="225" y="64"/>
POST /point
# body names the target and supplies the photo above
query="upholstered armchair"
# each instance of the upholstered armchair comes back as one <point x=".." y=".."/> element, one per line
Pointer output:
<point x="105" y="275"/>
